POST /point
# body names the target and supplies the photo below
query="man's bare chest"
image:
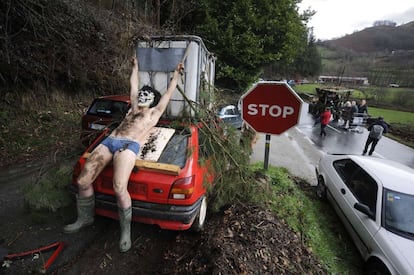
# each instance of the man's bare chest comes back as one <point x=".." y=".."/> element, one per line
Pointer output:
<point x="133" y="122"/>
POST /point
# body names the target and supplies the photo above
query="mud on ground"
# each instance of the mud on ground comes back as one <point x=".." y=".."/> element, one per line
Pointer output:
<point x="243" y="239"/>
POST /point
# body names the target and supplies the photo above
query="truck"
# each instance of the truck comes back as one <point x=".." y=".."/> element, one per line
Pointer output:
<point x="333" y="97"/>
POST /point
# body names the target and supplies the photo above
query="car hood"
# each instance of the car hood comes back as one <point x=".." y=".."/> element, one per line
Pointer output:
<point x="404" y="249"/>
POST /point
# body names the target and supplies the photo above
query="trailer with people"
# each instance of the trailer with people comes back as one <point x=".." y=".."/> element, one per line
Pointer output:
<point x="345" y="111"/>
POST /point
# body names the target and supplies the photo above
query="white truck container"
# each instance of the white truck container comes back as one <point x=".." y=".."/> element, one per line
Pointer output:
<point x="158" y="58"/>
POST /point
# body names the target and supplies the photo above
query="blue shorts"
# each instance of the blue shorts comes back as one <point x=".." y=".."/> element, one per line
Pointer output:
<point x="120" y="144"/>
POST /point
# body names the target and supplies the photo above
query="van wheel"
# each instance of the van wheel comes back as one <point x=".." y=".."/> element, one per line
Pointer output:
<point x="376" y="268"/>
<point x="321" y="189"/>
<point x="199" y="221"/>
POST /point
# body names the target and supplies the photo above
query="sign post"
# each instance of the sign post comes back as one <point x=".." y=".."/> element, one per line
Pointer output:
<point x="271" y="107"/>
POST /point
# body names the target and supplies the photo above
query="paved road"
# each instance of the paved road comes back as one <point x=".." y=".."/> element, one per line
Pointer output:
<point x="300" y="148"/>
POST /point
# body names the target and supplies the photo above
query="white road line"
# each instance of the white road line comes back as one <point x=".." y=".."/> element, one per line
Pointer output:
<point x="333" y="128"/>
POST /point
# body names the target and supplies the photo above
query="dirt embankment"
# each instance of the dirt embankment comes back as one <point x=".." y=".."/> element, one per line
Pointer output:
<point x="244" y="239"/>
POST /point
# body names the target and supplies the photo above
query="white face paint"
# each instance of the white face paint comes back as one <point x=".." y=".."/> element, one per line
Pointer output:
<point x="145" y="98"/>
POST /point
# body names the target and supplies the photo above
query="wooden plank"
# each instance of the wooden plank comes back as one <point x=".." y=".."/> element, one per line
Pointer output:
<point x="165" y="168"/>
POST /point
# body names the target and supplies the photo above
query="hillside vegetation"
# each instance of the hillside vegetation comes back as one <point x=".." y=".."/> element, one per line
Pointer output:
<point x="66" y="45"/>
<point x="384" y="54"/>
<point x="56" y="54"/>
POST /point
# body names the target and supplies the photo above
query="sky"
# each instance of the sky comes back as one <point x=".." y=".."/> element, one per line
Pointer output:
<point x="337" y="18"/>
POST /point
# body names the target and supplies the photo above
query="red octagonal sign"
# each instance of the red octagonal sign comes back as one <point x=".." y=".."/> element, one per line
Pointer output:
<point x="271" y="107"/>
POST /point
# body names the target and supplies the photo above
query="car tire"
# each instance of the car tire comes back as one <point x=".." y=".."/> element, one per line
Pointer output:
<point x="199" y="221"/>
<point x="321" y="189"/>
<point x="376" y="268"/>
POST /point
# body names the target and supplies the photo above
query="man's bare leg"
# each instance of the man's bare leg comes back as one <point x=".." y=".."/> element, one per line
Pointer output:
<point x="85" y="201"/>
<point x="94" y="165"/>
<point x="123" y="164"/>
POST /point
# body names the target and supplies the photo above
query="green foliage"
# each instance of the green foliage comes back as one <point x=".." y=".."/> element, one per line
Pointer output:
<point x="372" y="53"/>
<point x="49" y="191"/>
<point x="247" y="35"/>
<point x="86" y="49"/>
<point x="225" y="151"/>
<point x="392" y="116"/>
<point x="314" y="221"/>
<point x="307" y="62"/>
<point x="307" y="88"/>
<point x="229" y="159"/>
<point x="390" y="98"/>
<point x="40" y="125"/>
<point x="65" y="44"/>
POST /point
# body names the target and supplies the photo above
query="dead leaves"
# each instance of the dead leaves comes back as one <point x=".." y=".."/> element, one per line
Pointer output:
<point x="245" y="239"/>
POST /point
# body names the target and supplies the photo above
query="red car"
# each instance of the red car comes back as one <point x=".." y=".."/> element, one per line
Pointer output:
<point x="102" y="112"/>
<point x="167" y="185"/>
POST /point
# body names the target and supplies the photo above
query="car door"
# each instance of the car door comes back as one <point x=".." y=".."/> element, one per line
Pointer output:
<point x="359" y="187"/>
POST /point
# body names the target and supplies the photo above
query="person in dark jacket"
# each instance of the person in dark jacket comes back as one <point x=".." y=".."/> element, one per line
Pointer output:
<point x="346" y="114"/>
<point x="353" y="112"/>
<point x="376" y="130"/>
<point x="363" y="108"/>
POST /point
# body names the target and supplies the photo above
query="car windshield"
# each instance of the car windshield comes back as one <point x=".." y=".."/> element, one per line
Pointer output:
<point x="109" y="108"/>
<point x="399" y="214"/>
<point x="176" y="150"/>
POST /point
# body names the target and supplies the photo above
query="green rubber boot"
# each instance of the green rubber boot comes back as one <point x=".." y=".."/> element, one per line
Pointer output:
<point x="125" y="217"/>
<point x="86" y="213"/>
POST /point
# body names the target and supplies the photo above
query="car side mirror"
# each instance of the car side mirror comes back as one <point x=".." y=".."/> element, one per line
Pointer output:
<point x="364" y="209"/>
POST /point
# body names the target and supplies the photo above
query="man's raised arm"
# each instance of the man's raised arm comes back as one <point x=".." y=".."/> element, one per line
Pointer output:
<point x="134" y="82"/>
<point x="165" y="98"/>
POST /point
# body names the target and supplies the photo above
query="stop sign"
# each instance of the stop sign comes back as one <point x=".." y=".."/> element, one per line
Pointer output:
<point x="271" y="107"/>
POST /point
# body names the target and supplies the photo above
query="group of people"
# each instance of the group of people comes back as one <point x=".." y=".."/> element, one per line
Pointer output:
<point x="351" y="110"/>
<point x="376" y="129"/>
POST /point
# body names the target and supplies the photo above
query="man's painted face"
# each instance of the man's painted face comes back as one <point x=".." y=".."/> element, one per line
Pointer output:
<point x="145" y="98"/>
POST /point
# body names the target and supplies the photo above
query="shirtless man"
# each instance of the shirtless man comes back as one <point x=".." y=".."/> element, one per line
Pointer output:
<point x="122" y="147"/>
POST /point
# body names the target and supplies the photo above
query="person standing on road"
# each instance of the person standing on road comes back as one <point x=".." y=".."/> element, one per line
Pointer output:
<point x="376" y="130"/>
<point x="122" y="147"/>
<point x="325" y="118"/>
<point x="346" y="114"/>
<point x="353" y="112"/>
<point x="363" y="108"/>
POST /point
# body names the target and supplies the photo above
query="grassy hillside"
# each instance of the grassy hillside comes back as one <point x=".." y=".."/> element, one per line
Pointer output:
<point x="384" y="54"/>
<point x="378" y="39"/>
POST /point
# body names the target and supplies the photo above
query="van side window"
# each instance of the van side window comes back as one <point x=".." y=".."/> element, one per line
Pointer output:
<point x="362" y="185"/>
<point x="346" y="169"/>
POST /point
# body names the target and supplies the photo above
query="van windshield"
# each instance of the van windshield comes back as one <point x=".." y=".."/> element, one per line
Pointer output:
<point x="398" y="213"/>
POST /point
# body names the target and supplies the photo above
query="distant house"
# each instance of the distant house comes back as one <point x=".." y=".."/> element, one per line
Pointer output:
<point x="385" y="23"/>
<point x="344" y="80"/>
